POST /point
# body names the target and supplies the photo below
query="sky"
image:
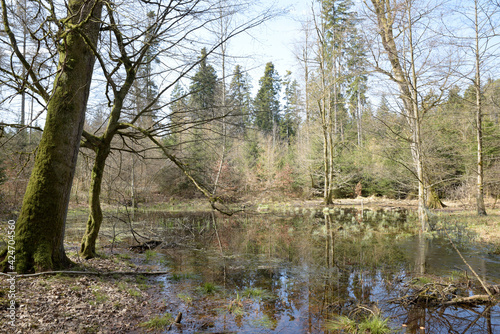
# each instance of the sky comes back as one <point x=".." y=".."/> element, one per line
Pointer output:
<point x="273" y="41"/>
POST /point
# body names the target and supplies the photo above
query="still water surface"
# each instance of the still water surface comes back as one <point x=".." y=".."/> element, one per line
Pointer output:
<point x="295" y="272"/>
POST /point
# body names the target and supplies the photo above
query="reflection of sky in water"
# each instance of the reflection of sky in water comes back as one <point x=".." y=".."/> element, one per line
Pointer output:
<point x="290" y="258"/>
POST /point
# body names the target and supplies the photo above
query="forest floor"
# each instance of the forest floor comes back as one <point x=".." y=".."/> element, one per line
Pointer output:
<point x="88" y="303"/>
<point x="118" y="303"/>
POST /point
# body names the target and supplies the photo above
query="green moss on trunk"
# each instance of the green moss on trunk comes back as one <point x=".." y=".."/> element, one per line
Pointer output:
<point x="41" y="223"/>
<point x="433" y="200"/>
<point x="87" y="248"/>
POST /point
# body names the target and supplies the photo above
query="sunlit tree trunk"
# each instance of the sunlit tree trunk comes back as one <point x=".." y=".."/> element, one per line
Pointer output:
<point x="41" y="223"/>
<point x="94" y="221"/>
<point x="325" y="109"/>
<point x="481" y="209"/>
<point x="407" y="84"/>
<point x="102" y="146"/>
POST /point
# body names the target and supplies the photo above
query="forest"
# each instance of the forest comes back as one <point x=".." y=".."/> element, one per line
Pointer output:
<point x="128" y="104"/>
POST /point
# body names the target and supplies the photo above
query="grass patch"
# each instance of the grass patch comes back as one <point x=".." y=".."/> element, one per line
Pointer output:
<point x="457" y="276"/>
<point x="374" y="324"/>
<point x="177" y="277"/>
<point x="150" y="255"/>
<point x="123" y="256"/>
<point x="134" y="293"/>
<point x="208" y="288"/>
<point x="422" y="280"/>
<point x="185" y="298"/>
<point x="236" y="306"/>
<point x="121" y="286"/>
<point x="342" y="323"/>
<point x="100" y="297"/>
<point x="257" y="293"/>
<point x="265" y="321"/>
<point x="141" y="282"/>
<point x="158" y="322"/>
<point x="141" y="279"/>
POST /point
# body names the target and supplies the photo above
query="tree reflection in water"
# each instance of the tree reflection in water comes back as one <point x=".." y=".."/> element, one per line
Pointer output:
<point x="308" y="268"/>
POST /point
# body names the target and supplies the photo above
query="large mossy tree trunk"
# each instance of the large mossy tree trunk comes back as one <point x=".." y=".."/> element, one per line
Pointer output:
<point x="41" y="223"/>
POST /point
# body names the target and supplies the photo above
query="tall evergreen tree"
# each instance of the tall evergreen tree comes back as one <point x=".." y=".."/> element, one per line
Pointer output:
<point x="266" y="103"/>
<point x="239" y="97"/>
<point x="338" y="32"/>
<point x="290" y="122"/>
<point x="203" y="88"/>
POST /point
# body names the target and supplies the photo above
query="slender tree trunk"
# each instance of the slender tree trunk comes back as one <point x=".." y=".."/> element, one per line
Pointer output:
<point x="481" y="209"/>
<point x="132" y="187"/>
<point x="41" y="223"/>
<point x="223" y="46"/>
<point x="358" y="119"/>
<point x="327" y="150"/>
<point x="415" y="119"/>
<point x="329" y="199"/>
<point x="87" y="248"/>
<point x="102" y="147"/>
<point x="407" y="84"/>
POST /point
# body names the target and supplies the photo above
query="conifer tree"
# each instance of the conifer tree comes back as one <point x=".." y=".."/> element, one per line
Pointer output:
<point x="203" y="88"/>
<point x="266" y="103"/>
<point x="290" y="121"/>
<point x="239" y="98"/>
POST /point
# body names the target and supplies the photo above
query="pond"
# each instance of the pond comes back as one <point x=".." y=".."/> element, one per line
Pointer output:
<point x="296" y="272"/>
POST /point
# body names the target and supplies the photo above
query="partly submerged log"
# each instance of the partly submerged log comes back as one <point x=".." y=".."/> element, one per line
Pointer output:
<point x="447" y="294"/>
<point x="148" y="245"/>
<point x="472" y="300"/>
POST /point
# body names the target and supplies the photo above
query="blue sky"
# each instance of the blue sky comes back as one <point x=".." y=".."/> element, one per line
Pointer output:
<point x="273" y="41"/>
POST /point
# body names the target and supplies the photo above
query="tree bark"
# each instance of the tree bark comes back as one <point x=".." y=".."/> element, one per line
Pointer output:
<point x="41" y="223"/>
<point x="94" y="221"/>
<point x="433" y="200"/>
<point x="481" y="208"/>
<point x="102" y="147"/>
<point x="407" y="84"/>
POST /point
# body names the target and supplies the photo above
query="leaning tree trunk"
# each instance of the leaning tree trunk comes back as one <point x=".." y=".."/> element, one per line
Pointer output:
<point x="87" y="248"/>
<point x="41" y="223"/>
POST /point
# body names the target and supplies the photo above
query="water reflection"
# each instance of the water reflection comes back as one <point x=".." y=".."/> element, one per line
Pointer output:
<point x="293" y="273"/>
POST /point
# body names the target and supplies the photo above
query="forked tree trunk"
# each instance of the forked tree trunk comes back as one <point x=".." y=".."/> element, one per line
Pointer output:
<point x="407" y="84"/>
<point x="41" y="223"/>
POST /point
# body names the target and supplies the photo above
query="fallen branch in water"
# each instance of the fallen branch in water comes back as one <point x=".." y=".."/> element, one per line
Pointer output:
<point x="467" y="264"/>
<point x="476" y="299"/>
<point x="97" y="273"/>
<point x="445" y="294"/>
